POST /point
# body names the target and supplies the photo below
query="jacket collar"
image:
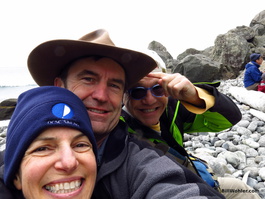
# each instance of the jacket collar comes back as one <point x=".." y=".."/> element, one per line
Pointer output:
<point x="115" y="150"/>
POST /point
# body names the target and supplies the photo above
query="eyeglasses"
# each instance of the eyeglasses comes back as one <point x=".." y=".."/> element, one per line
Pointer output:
<point x="138" y="93"/>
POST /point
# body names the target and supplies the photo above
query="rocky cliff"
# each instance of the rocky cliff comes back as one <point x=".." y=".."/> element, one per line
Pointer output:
<point x="225" y="60"/>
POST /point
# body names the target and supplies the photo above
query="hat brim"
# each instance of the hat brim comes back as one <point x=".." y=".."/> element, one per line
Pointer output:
<point x="47" y="61"/>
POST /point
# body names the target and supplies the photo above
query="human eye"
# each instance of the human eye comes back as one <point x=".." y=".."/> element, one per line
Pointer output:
<point x="89" y="79"/>
<point x="115" y="86"/>
<point x="40" y="150"/>
<point x="82" y="146"/>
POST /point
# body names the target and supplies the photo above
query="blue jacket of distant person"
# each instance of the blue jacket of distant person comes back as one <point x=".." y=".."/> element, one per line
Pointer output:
<point x="252" y="74"/>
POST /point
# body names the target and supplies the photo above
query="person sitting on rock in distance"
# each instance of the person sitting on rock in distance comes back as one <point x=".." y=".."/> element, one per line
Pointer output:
<point x="253" y="75"/>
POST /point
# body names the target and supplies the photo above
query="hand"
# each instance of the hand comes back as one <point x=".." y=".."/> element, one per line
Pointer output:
<point x="178" y="87"/>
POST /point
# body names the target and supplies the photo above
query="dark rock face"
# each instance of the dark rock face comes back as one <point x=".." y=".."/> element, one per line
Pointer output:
<point x="225" y="60"/>
<point x="198" y="68"/>
<point x="7" y="108"/>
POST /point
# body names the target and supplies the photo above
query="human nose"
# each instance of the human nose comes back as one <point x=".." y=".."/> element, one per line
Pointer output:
<point x="67" y="160"/>
<point x="100" y="92"/>
<point x="149" y="98"/>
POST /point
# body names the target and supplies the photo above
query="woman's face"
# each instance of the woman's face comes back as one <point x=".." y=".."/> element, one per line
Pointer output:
<point x="59" y="163"/>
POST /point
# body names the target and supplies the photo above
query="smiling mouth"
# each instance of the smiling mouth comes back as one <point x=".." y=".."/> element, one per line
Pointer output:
<point x="66" y="187"/>
<point x="148" y="110"/>
<point x="96" y="111"/>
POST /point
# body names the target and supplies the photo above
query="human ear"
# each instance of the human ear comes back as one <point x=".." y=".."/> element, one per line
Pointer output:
<point x="17" y="182"/>
<point x="58" y="82"/>
<point x="125" y="97"/>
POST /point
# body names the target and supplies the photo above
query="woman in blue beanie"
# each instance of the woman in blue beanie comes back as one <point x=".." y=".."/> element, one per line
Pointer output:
<point x="253" y="75"/>
<point x="50" y="148"/>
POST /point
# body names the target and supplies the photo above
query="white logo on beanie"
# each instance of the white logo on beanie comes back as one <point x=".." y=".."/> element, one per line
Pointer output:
<point x="62" y="111"/>
<point x="66" y="111"/>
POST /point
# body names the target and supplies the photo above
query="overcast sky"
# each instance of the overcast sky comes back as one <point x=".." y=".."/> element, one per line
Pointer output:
<point x="176" y="24"/>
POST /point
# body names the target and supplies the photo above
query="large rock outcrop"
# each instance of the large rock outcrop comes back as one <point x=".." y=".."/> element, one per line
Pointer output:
<point x="163" y="53"/>
<point x="231" y="50"/>
<point x="258" y="23"/>
<point x="191" y="64"/>
<point x="225" y="60"/>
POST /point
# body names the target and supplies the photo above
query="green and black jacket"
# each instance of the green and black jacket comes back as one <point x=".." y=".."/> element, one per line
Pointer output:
<point x="177" y="120"/>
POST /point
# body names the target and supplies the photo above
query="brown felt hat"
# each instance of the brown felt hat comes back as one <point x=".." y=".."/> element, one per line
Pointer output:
<point x="48" y="60"/>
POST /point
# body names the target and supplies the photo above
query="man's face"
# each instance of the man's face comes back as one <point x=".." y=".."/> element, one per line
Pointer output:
<point x="149" y="109"/>
<point x="100" y="85"/>
<point x="260" y="60"/>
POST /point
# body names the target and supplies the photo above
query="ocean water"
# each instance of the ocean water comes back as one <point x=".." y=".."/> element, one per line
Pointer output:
<point x="14" y="81"/>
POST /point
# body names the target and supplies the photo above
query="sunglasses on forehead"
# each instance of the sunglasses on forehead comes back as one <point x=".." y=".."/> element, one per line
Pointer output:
<point x="138" y="93"/>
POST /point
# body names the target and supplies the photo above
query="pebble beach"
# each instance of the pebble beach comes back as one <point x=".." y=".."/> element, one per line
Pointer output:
<point x="236" y="152"/>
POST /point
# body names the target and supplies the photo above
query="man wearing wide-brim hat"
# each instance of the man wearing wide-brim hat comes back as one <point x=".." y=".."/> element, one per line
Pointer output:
<point x="49" y="59"/>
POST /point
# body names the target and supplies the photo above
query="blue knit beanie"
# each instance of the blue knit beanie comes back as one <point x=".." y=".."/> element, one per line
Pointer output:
<point x="36" y="110"/>
<point x="254" y="56"/>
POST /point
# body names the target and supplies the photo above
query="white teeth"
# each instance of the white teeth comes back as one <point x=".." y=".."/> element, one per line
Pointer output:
<point x="96" y="111"/>
<point x="57" y="187"/>
<point x="149" y="110"/>
<point x="64" y="187"/>
<point x="72" y="185"/>
<point x="78" y="183"/>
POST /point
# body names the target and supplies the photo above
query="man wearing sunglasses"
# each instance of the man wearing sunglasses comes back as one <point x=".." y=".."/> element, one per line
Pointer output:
<point x="162" y="107"/>
<point x="159" y="96"/>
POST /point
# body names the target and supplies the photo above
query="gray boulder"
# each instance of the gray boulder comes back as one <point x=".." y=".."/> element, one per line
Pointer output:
<point x="7" y="108"/>
<point x="163" y="53"/>
<point x="258" y="23"/>
<point x="198" y="68"/>
<point x="231" y="50"/>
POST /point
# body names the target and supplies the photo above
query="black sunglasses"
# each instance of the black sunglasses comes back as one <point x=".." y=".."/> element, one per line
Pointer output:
<point x="138" y="93"/>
